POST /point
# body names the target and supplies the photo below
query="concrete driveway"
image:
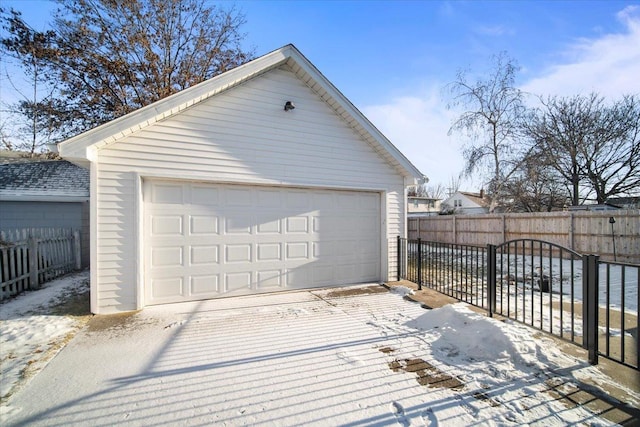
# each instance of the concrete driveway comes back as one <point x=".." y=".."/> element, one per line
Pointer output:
<point x="281" y="359"/>
<point x="350" y="356"/>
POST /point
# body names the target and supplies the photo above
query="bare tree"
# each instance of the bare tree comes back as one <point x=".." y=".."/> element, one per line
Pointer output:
<point x="536" y="187"/>
<point x="612" y="158"/>
<point x="107" y="58"/>
<point x="435" y="192"/>
<point x="595" y="147"/>
<point x="495" y="108"/>
<point x="454" y="185"/>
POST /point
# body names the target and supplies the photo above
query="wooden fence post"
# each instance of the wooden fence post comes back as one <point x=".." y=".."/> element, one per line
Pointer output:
<point x="76" y="249"/>
<point x="455" y="231"/>
<point x="571" y="230"/>
<point x="33" y="262"/>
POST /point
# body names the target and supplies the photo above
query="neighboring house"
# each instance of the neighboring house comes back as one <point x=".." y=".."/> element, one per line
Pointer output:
<point x="263" y="178"/>
<point x="44" y="194"/>
<point x="625" y="202"/>
<point x="422" y="206"/>
<point x="465" y="203"/>
<point x="595" y="207"/>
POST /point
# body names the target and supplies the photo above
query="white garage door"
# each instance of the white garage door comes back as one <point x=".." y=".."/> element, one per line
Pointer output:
<point x="205" y="241"/>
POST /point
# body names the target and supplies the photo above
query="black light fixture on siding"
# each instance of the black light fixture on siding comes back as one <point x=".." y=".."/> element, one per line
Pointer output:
<point x="289" y="106"/>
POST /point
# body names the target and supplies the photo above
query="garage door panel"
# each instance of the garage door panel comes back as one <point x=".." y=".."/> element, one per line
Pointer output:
<point x="204" y="285"/>
<point x="297" y="224"/>
<point x="298" y="275"/>
<point x="167" y="288"/>
<point x="164" y="225"/>
<point x="205" y="195"/>
<point x="297" y="200"/>
<point x="322" y="274"/>
<point x="270" y="279"/>
<point x="238" y="224"/>
<point x="238" y="253"/>
<point x="167" y="193"/>
<point x="237" y="281"/>
<point x="203" y="224"/>
<point x="234" y="239"/>
<point x="269" y="198"/>
<point x="238" y="197"/>
<point x="167" y="256"/>
<point x="269" y="252"/>
<point x="266" y="225"/>
<point x="204" y="254"/>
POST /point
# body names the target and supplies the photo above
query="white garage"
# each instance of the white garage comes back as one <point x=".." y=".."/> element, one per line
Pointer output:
<point x="205" y="241"/>
<point x="225" y="189"/>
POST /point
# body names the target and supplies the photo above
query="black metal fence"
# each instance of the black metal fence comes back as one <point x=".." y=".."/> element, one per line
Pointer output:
<point x="576" y="297"/>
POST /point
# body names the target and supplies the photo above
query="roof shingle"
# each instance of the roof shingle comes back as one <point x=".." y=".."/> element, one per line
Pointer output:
<point x="48" y="178"/>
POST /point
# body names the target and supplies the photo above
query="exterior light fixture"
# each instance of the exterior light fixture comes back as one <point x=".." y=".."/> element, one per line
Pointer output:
<point x="289" y="106"/>
<point x="612" y="221"/>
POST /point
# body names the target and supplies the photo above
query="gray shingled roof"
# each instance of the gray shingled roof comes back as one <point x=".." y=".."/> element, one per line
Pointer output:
<point x="43" y="179"/>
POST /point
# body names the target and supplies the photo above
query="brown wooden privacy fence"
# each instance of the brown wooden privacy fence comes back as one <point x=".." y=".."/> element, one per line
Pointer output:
<point x="30" y="257"/>
<point x="585" y="232"/>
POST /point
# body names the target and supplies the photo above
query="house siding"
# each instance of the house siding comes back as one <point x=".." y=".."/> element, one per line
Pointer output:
<point x="17" y="215"/>
<point x="239" y="136"/>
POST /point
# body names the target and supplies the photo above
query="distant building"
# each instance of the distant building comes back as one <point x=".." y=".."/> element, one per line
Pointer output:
<point x="44" y="194"/>
<point x="465" y="203"/>
<point x="625" y="202"/>
<point x="422" y="206"/>
<point x="594" y="207"/>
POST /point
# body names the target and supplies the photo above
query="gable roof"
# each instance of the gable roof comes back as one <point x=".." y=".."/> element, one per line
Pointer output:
<point x="477" y="198"/>
<point x="48" y="180"/>
<point x="81" y="147"/>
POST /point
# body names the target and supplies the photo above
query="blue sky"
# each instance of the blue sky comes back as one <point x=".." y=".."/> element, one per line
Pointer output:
<point x="393" y="58"/>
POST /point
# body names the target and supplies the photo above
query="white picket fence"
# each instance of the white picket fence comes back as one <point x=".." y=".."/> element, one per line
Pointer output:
<point x="31" y="257"/>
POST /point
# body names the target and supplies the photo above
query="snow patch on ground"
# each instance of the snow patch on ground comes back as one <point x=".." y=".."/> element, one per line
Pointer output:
<point x="29" y="336"/>
<point x="402" y="290"/>
<point x="299" y="358"/>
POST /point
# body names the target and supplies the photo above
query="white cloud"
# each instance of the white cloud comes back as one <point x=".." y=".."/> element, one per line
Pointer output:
<point x="609" y="65"/>
<point x="418" y="125"/>
<point x="496" y="30"/>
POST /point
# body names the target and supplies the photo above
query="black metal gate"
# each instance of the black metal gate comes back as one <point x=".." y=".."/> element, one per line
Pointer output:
<point x="576" y="297"/>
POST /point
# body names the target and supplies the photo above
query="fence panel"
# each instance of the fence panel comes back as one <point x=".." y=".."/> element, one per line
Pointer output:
<point x="576" y="297"/>
<point x="619" y="298"/>
<point x="613" y="235"/>
<point x="30" y="257"/>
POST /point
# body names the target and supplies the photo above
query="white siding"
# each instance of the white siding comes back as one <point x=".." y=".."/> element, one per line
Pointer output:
<point x="244" y="136"/>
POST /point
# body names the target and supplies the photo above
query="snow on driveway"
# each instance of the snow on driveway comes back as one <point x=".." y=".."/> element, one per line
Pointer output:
<point x="352" y="356"/>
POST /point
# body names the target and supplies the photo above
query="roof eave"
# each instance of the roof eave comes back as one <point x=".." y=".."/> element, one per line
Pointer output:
<point x="82" y="148"/>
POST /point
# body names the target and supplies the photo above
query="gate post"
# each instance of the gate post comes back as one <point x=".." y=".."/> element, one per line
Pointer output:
<point x="590" y="312"/>
<point x="491" y="278"/>
<point x="419" y="264"/>
<point x="398" y="260"/>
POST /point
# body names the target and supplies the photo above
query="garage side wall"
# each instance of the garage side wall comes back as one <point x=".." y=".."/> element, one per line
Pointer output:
<point x="240" y="136"/>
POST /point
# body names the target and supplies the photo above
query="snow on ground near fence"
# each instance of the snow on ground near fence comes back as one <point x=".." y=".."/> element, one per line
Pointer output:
<point x="319" y="357"/>
<point x="29" y="335"/>
<point x="526" y="270"/>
